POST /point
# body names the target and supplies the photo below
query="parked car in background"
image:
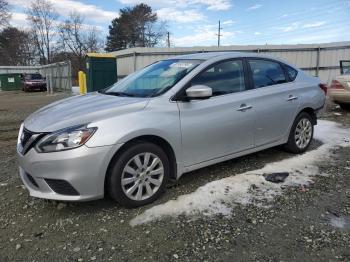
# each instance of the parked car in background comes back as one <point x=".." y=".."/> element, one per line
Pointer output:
<point x="172" y="117"/>
<point x="32" y="82"/>
<point x="339" y="90"/>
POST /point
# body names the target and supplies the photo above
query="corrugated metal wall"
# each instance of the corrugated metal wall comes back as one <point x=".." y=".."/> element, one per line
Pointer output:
<point x="61" y="73"/>
<point x="315" y="59"/>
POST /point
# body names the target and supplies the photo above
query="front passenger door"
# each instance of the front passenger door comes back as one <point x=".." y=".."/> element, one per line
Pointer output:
<point x="223" y="124"/>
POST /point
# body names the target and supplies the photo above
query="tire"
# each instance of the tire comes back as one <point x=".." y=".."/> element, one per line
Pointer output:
<point x="298" y="145"/>
<point x="126" y="167"/>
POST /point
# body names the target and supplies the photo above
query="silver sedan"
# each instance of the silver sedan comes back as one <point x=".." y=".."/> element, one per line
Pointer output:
<point x="174" y="116"/>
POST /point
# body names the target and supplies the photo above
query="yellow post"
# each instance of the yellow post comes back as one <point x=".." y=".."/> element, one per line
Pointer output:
<point x="81" y="82"/>
<point x="84" y="85"/>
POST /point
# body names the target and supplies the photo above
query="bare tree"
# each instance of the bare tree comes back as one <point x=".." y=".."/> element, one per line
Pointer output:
<point x="155" y="33"/>
<point x="79" y="38"/>
<point x="42" y="17"/>
<point x="71" y="34"/>
<point x="93" y="42"/>
<point x="5" y="14"/>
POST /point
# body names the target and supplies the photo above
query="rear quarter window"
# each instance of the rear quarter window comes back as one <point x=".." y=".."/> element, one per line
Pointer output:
<point x="291" y="72"/>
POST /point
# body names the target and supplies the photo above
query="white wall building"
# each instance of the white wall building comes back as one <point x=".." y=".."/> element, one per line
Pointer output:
<point x="321" y="60"/>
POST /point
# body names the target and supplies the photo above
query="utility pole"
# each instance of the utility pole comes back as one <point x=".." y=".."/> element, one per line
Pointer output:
<point x="168" y="39"/>
<point x="219" y="33"/>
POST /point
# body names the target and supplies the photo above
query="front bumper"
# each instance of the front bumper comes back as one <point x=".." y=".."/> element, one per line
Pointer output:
<point x="82" y="168"/>
<point x="36" y="87"/>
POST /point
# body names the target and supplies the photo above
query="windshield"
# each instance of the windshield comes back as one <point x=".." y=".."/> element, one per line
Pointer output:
<point x="154" y="79"/>
<point x="33" y="77"/>
<point x="347" y="72"/>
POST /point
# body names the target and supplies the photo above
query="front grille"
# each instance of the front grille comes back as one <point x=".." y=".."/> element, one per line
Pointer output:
<point x="61" y="187"/>
<point x="29" y="139"/>
<point x="26" y="135"/>
<point x="32" y="180"/>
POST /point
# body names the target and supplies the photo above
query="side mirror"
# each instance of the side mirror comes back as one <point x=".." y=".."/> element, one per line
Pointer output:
<point x="199" y="92"/>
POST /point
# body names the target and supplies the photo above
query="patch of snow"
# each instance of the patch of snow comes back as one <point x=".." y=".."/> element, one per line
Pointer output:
<point x="220" y="196"/>
<point x="337" y="114"/>
<point x="340" y="222"/>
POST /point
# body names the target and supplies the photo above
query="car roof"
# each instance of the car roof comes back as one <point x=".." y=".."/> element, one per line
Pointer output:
<point x="205" y="55"/>
<point x="223" y="55"/>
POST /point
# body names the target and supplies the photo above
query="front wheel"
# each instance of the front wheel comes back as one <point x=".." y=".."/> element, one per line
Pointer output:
<point x="301" y="134"/>
<point x="138" y="176"/>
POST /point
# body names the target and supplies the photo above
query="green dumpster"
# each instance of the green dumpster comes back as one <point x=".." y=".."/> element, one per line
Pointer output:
<point x="9" y="82"/>
<point x="101" y="71"/>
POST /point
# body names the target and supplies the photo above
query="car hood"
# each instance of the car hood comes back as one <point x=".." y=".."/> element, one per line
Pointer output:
<point x="81" y="110"/>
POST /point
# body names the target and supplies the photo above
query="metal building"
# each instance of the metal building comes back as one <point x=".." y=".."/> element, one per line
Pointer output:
<point x="321" y="60"/>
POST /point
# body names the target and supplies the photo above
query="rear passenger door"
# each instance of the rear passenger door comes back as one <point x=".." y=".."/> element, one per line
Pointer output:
<point x="276" y="100"/>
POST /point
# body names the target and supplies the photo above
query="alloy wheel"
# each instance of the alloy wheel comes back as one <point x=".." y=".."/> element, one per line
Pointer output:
<point x="142" y="176"/>
<point x="303" y="133"/>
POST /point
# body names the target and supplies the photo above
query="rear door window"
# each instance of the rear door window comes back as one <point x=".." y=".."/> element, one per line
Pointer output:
<point x="266" y="73"/>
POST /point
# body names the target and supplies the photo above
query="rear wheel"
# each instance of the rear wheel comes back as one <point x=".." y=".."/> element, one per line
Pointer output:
<point x="301" y="134"/>
<point x="139" y="175"/>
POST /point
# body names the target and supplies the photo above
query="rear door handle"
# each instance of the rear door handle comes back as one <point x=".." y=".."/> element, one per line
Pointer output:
<point x="291" y="98"/>
<point x="244" y="107"/>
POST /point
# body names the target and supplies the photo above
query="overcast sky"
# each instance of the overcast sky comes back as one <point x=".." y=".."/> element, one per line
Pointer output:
<point x="195" y="22"/>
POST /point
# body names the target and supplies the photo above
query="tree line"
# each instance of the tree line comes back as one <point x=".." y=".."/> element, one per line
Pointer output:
<point x="50" y="38"/>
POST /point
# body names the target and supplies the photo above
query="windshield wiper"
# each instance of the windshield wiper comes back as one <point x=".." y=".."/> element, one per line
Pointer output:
<point x="119" y="94"/>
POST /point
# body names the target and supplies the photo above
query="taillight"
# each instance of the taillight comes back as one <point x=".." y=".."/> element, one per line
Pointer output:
<point x="335" y="84"/>
<point x="323" y="87"/>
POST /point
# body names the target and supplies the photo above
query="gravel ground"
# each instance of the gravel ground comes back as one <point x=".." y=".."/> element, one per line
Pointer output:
<point x="311" y="224"/>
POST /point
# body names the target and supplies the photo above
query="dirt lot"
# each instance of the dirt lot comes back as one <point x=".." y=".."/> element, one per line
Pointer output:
<point x="303" y="224"/>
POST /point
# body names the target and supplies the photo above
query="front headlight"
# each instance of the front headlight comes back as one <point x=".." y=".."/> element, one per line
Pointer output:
<point x="65" y="139"/>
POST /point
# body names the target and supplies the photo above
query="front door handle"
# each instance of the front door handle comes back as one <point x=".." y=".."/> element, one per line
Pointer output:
<point x="244" y="107"/>
<point x="291" y="98"/>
